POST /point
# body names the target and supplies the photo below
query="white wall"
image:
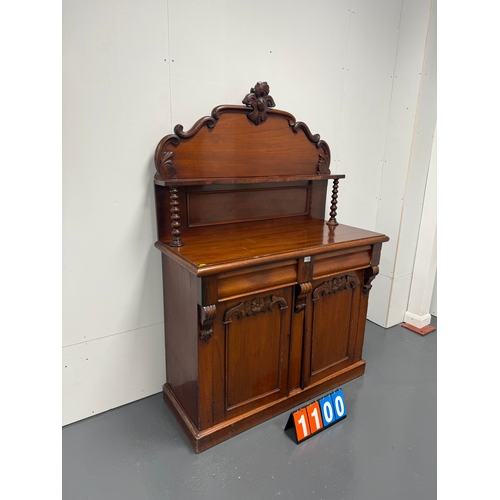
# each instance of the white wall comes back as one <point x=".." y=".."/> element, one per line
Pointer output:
<point x="407" y="151"/>
<point x="424" y="269"/>
<point x="115" y="107"/>
<point x="353" y="70"/>
<point x="433" y="308"/>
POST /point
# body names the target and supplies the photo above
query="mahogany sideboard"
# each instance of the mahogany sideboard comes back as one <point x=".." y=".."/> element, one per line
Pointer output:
<point x="265" y="301"/>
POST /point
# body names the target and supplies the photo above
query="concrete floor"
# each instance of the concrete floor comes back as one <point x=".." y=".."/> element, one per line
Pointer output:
<point x="384" y="450"/>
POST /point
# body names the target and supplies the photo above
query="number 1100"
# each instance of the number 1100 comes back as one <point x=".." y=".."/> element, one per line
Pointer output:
<point x="320" y="414"/>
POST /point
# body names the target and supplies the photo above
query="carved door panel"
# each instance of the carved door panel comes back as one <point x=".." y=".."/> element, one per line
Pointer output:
<point x="251" y="352"/>
<point x="330" y="338"/>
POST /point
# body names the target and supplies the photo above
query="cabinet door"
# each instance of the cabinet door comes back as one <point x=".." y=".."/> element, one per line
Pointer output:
<point x="331" y="335"/>
<point x="251" y="352"/>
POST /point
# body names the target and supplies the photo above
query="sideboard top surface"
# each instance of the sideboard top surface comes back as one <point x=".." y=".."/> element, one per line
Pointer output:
<point x="218" y="248"/>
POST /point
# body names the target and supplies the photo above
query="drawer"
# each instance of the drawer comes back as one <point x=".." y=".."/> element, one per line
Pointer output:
<point x="244" y="281"/>
<point x="341" y="261"/>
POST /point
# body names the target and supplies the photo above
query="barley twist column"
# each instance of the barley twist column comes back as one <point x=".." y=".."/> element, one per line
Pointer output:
<point x="174" y="209"/>
<point x="333" y="206"/>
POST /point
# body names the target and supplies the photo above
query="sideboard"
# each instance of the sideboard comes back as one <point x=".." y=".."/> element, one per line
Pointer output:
<point x="265" y="301"/>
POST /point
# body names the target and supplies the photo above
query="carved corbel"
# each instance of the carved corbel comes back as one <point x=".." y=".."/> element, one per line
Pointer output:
<point x="303" y="290"/>
<point x="370" y="275"/>
<point x="324" y="158"/>
<point x="207" y="318"/>
<point x="164" y="158"/>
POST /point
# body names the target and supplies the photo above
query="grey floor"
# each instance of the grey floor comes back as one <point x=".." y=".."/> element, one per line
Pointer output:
<point x="384" y="450"/>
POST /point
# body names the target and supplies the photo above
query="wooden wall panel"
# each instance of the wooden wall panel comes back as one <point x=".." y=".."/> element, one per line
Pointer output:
<point x="208" y="208"/>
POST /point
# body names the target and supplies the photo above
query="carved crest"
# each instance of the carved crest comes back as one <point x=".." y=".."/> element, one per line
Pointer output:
<point x="259" y="100"/>
<point x="258" y="105"/>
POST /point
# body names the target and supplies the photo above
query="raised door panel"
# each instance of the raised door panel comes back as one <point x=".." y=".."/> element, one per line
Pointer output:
<point x="333" y="322"/>
<point x="252" y="348"/>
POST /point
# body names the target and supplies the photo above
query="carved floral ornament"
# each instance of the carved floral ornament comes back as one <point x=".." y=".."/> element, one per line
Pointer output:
<point x="259" y="99"/>
<point x="254" y="307"/>
<point x="335" y="285"/>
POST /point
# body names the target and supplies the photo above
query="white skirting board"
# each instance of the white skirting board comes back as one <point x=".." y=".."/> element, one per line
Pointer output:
<point x="417" y="321"/>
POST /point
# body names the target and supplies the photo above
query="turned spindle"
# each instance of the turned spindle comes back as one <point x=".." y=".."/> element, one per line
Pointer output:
<point x="333" y="207"/>
<point x="174" y="209"/>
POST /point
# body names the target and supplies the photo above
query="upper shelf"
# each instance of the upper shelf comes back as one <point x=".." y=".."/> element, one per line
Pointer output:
<point x="246" y="180"/>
